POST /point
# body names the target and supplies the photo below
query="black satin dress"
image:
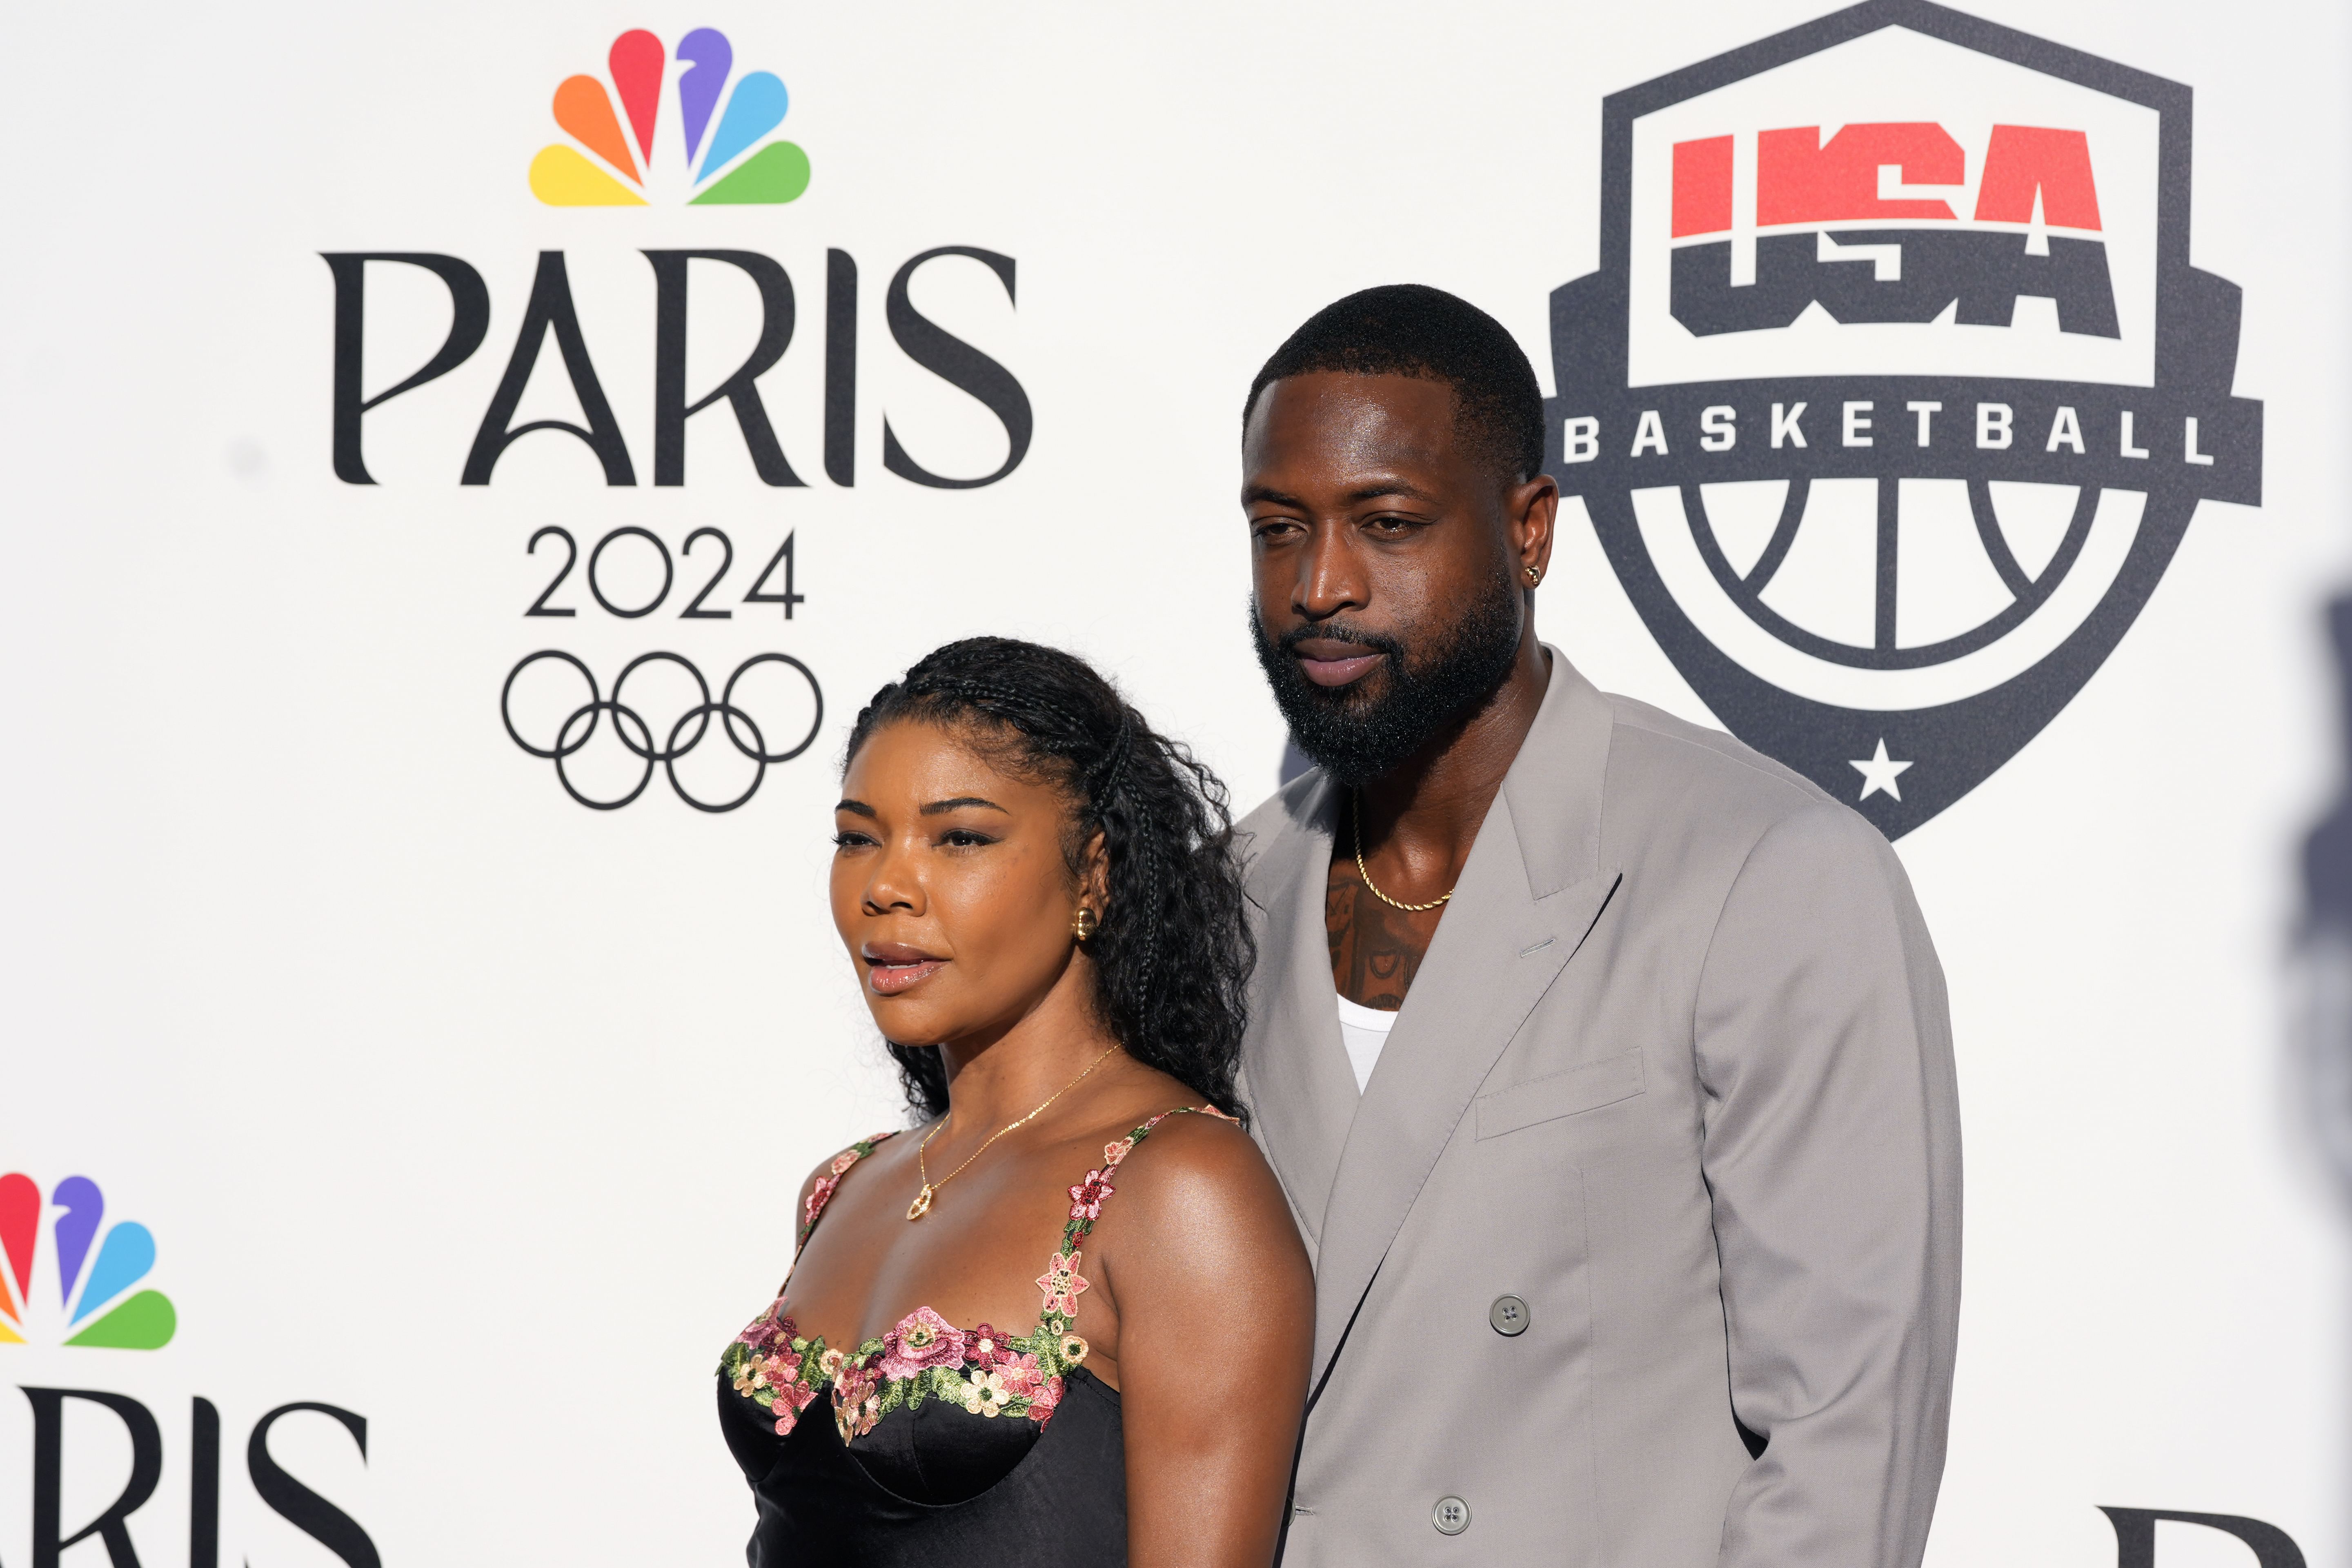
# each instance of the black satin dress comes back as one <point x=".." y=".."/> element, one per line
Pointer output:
<point x="935" y="1446"/>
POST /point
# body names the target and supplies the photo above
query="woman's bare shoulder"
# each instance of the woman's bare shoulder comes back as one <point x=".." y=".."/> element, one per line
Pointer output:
<point x="1200" y="1234"/>
<point x="1201" y="1175"/>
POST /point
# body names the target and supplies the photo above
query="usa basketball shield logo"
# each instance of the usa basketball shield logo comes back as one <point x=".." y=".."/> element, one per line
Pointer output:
<point x="1896" y="391"/>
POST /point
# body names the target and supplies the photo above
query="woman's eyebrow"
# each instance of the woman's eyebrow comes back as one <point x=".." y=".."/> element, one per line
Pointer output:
<point x="856" y="807"/>
<point x="937" y="807"/>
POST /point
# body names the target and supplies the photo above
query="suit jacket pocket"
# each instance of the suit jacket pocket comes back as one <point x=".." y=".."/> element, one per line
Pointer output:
<point x="1555" y="1095"/>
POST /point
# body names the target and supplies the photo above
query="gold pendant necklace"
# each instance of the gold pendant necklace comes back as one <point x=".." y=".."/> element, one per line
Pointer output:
<point x="1356" y="805"/>
<point x="922" y="1203"/>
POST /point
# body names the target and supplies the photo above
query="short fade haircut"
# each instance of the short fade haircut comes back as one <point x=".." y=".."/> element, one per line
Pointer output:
<point x="1413" y="330"/>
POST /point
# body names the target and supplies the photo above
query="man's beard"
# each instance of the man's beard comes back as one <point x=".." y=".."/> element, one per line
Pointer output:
<point x="1357" y="738"/>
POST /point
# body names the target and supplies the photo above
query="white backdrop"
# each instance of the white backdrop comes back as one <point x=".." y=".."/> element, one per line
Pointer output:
<point x="480" y="1114"/>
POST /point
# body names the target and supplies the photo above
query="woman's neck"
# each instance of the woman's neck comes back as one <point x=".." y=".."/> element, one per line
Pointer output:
<point x="1005" y="1073"/>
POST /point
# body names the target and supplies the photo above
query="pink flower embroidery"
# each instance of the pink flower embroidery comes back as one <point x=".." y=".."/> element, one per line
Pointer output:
<point x="768" y="1328"/>
<point x="983" y="1346"/>
<point x="791" y="1399"/>
<point x="820" y="1194"/>
<point x="856" y="1405"/>
<point x="1062" y="1284"/>
<point x="1114" y="1153"/>
<point x="922" y="1339"/>
<point x="842" y="1161"/>
<point x="778" y="1372"/>
<point x="1042" y="1402"/>
<point x="1021" y="1375"/>
<point x="1086" y="1198"/>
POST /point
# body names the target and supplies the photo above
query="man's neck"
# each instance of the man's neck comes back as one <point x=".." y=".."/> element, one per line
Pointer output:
<point x="1428" y="812"/>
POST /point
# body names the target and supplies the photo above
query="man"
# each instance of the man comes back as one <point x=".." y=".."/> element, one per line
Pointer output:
<point x="1605" y="1063"/>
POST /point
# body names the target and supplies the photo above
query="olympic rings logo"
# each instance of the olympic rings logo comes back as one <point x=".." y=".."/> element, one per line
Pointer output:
<point x="685" y="733"/>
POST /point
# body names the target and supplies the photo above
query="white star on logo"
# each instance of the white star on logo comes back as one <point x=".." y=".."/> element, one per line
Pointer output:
<point x="1878" y="773"/>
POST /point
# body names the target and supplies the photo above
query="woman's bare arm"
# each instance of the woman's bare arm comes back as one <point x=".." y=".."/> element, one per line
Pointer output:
<point x="1216" y="1324"/>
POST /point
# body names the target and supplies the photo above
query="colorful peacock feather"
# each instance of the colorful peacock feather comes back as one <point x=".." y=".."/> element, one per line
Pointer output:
<point x="144" y="1321"/>
<point x="736" y="165"/>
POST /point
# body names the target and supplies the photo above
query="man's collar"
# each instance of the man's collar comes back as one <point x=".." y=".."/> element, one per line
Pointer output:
<point x="1554" y="785"/>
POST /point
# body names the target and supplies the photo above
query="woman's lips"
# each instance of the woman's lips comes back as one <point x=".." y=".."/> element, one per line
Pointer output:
<point x="890" y="979"/>
<point x="891" y="969"/>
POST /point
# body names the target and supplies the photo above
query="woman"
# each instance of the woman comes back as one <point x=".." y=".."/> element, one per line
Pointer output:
<point x="1037" y="894"/>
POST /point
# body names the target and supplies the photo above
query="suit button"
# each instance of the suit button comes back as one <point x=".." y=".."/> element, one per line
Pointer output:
<point x="1508" y="1315"/>
<point x="1452" y="1516"/>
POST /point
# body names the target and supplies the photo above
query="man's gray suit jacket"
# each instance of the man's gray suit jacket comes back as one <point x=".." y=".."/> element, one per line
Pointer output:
<point x="1677" y="1073"/>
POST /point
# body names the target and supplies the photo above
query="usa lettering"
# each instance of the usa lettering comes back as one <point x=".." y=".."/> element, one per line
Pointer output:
<point x="2033" y="230"/>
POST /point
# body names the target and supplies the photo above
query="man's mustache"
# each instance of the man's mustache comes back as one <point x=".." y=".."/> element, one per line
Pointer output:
<point x="1339" y="631"/>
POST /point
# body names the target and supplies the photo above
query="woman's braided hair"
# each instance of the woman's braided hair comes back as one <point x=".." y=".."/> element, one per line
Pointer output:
<point x="1173" y="953"/>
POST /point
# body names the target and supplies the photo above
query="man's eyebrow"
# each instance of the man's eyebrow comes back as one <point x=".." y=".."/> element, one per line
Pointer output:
<point x="1388" y="488"/>
<point x="937" y="806"/>
<point x="856" y="807"/>
<point x="1268" y="494"/>
<point x="1271" y="497"/>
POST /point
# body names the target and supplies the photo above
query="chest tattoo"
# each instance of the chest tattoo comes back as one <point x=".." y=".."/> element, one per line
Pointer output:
<point x="1376" y="950"/>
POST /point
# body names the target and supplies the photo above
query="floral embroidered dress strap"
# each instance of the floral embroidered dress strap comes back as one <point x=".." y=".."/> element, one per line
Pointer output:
<point x="822" y="1194"/>
<point x="1062" y="1282"/>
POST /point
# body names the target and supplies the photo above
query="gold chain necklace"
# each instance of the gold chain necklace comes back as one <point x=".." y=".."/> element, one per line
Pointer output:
<point x="1356" y="805"/>
<point x="922" y="1203"/>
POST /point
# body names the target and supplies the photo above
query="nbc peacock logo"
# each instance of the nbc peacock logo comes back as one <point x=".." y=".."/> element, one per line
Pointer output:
<point x="723" y="153"/>
<point x="104" y="1271"/>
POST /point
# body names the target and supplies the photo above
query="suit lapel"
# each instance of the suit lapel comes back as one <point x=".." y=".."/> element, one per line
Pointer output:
<point x="1302" y="1092"/>
<point x="1531" y="892"/>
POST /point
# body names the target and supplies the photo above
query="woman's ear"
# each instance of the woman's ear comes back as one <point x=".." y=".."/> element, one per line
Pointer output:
<point x="1093" y="874"/>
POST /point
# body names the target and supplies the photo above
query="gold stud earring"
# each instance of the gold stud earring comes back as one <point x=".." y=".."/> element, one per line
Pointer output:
<point x="1535" y="576"/>
<point x="1083" y="923"/>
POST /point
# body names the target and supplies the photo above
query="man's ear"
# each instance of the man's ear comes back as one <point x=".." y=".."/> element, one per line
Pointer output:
<point x="1530" y="510"/>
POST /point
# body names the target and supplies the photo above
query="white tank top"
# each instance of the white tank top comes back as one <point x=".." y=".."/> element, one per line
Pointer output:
<point x="1365" y="1030"/>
